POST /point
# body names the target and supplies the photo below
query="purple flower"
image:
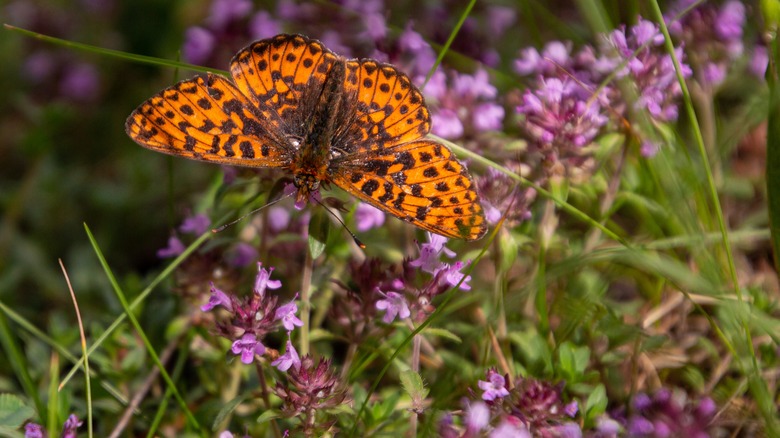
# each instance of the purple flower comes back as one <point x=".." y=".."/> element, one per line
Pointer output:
<point x="217" y="298"/>
<point x="607" y="427"/>
<point x="430" y="253"/>
<point x="529" y="61"/>
<point x="451" y="275"/>
<point x="558" y="119"/>
<point x="70" y="426"/>
<point x="510" y="429"/>
<point x="368" y="217"/>
<point x="488" y="117"/>
<point x="263" y="281"/>
<point x="759" y="61"/>
<point x="33" y="430"/>
<point x="730" y="20"/>
<point x="446" y="124"/>
<point x="199" y="43"/>
<point x="39" y="66"/>
<point x="80" y="82"/>
<point x="494" y="386"/>
<point x="222" y="12"/>
<point x="262" y="25"/>
<point x="289" y="359"/>
<point x="196" y="225"/>
<point x="247" y="347"/>
<point x="242" y="254"/>
<point x="477" y="416"/>
<point x="286" y="314"/>
<point x="278" y="218"/>
<point x="174" y="248"/>
<point x="394" y="305"/>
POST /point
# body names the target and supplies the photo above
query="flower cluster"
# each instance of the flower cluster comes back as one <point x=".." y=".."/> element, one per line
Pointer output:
<point x="56" y="73"/>
<point x="712" y="36"/>
<point x="568" y="105"/>
<point x="501" y="195"/>
<point x="252" y="318"/>
<point x="529" y="408"/>
<point x="667" y="413"/>
<point x="69" y="429"/>
<point x="311" y="388"/>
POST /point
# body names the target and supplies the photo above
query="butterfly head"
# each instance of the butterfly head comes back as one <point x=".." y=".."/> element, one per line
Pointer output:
<point x="307" y="186"/>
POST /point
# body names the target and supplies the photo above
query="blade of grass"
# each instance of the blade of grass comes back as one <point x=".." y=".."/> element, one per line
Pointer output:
<point x="141" y="59"/>
<point x="83" y="337"/>
<point x="139" y="330"/>
<point x="15" y="358"/>
<point x="53" y="423"/>
<point x="447" y="45"/>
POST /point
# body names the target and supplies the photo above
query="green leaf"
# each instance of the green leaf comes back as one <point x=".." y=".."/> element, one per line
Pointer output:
<point x="270" y="414"/>
<point x="226" y="411"/>
<point x="413" y="385"/>
<point x="318" y="232"/>
<point x="13" y="411"/>
<point x="573" y="361"/>
<point x="509" y="252"/>
<point x="596" y="404"/>
<point x="442" y="333"/>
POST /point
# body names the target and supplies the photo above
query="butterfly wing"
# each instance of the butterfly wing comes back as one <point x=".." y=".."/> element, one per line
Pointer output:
<point x="208" y="119"/>
<point x="419" y="182"/>
<point x="283" y="76"/>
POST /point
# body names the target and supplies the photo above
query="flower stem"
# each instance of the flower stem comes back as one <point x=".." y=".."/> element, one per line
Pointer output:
<point x="308" y="267"/>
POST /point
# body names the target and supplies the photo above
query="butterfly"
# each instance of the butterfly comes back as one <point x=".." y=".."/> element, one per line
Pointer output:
<point x="293" y="104"/>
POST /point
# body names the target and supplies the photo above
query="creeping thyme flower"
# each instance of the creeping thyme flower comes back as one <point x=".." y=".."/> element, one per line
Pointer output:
<point x="248" y="346"/>
<point x="196" y="225"/>
<point x="451" y="276"/>
<point x="69" y="428"/>
<point x="500" y="194"/>
<point x="174" y="248"/>
<point x="34" y="430"/>
<point x="510" y="428"/>
<point x="217" y="298"/>
<point x="242" y="254"/>
<point x="286" y="314"/>
<point x="670" y="414"/>
<point x="477" y="416"/>
<point x="494" y="386"/>
<point x="430" y="253"/>
<point x="310" y="388"/>
<point x="712" y="35"/>
<point x="467" y="106"/>
<point x="263" y="280"/>
<point x="394" y="305"/>
<point x="368" y="217"/>
<point x="288" y="359"/>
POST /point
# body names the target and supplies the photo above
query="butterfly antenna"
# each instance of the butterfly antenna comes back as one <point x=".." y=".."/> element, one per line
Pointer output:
<point x="233" y="222"/>
<point x="354" y="237"/>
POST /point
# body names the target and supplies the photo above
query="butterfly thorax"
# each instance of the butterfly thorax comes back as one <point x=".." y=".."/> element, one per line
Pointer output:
<point x="311" y="165"/>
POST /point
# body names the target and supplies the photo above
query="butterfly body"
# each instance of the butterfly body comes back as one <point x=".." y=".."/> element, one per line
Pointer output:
<point x="294" y="105"/>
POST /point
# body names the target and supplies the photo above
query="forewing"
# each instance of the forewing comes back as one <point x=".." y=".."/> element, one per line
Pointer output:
<point x="283" y="76"/>
<point x="419" y="182"/>
<point x="210" y="120"/>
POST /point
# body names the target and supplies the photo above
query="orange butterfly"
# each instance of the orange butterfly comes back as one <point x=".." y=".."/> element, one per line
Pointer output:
<point x="294" y="104"/>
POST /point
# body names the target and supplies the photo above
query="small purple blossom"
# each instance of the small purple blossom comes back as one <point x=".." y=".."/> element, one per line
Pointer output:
<point x="174" y="248"/>
<point x="217" y="298"/>
<point x="446" y="124"/>
<point x="451" y="275"/>
<point x="730" y="20"/>
<point x="70" y="427"/>
<point x="510" y="429"/>
<point x="242" y="254"/>
<point x="222" y="12"/>
<point x="477" y="416"/>
<point x="394" y="305"/>
<point x="80" y="82"/>
<point x="199" y="43"/>
<point x="263" y="280"/>
<point x="759" y="61"/>
<point x="34" y="430"/>
<point x="262" y="25"/>
<point x="286" y="314"/>
<point x="247" y="347"/>
<point x="368" y="217"/>
<point x="196" y="225"/>
<point x="288" y="359"/>
<point x="278" y="218"/>
<point x="430" y="252"/>
<point x="494" y="386"/>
